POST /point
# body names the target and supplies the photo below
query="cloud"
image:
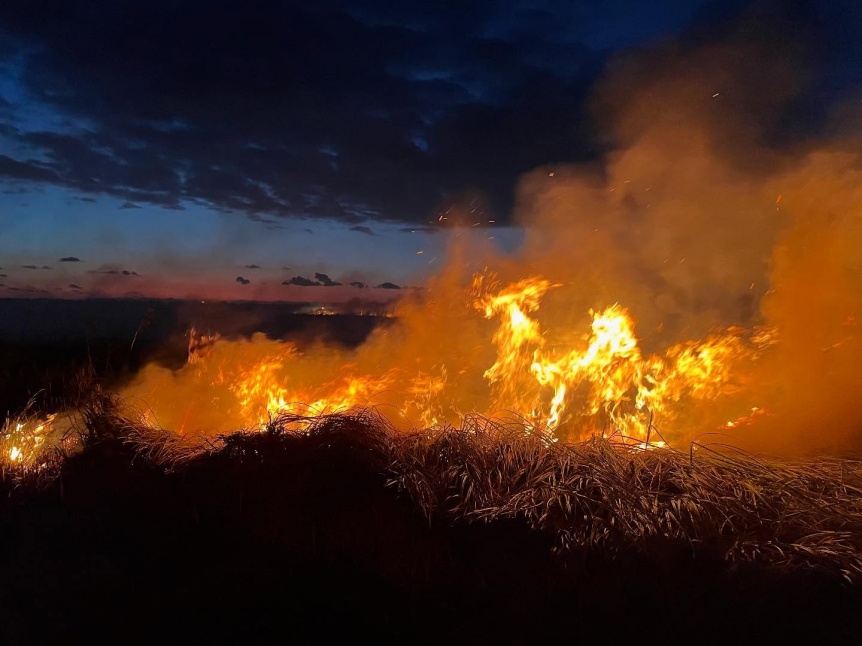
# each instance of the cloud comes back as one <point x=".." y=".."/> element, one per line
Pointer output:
<point x="419" y="107"/>
<point x="362" y="229"/>
<point x="35" y="267"/>
<point x="70" y="259"/>
<point x="27" y="171"/>
<point x="325" y="280"/>
<point x="112" y="270"/>
<point x="301" y="281"/>
<point x="129" y="205"/>
<point x="252" y="266"/>
<point x="74" y="286"/>
<point x="388" y="286"/>
<point x="242" y="281"/>
<point x="358" y="285"/>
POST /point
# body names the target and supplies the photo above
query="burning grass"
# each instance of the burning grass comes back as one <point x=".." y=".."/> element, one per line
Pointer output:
<point x="309" y="523"/>
<point x="608" y="497"/>
<point x="599" y="497"/>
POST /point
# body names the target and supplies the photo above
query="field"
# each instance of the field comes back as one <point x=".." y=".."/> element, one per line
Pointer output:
<point x="340" y="527"/>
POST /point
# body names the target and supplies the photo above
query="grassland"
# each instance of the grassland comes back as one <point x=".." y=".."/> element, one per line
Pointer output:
<point x="339" y="527"/>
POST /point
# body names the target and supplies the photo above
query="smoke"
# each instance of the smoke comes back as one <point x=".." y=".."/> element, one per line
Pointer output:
<point x="716" y="205"/>
<point x="702" y="216"/>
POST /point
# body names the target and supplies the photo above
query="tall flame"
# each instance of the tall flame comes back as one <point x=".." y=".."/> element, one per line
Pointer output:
<point x="605" y="384"/>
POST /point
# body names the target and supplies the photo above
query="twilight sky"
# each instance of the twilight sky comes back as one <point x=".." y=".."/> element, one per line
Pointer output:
<point x="174" y="147"/>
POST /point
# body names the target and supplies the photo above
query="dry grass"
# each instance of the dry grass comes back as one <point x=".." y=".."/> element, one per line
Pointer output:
<point x="599" y="495"/>
<point x="592" y="497"/>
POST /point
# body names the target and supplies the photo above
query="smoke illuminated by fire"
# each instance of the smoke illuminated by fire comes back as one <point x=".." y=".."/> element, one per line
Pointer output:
<point x="596" y="382"/>
<point x="697" y="283"/>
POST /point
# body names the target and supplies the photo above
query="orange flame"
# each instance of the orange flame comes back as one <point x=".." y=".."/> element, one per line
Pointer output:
<point x="600" y="383"/>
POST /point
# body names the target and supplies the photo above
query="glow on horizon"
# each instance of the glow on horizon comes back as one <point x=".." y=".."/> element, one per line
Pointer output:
<point x="199" y="252"/>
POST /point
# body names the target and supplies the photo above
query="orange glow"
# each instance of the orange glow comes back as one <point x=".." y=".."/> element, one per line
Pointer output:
<point x="597" y="383"/>
<point x="27" y="440"/>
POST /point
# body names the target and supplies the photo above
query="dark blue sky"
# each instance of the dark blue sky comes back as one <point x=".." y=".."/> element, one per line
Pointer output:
<point x="186" y="140"/>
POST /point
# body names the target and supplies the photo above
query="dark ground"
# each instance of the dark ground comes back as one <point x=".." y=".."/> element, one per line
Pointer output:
<point x="276" y="539"/>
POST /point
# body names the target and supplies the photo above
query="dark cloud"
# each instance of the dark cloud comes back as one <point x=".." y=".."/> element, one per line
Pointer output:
<point x="242" y="281"/>
<point x="70" y="259"/>
<point x="74" y="286"/>
<point x="108" y="270"/>
<point x="357" y="284"/>
<point x="252" y="266"/>
<point x="129" y="205"/>
<point x="362" y="229"/>
<point x="301" y="281"/>
<point x="311" y="109"/>
<point x="325" y="280"/>
<point x="91" y="200"/>
<point x="26" y="171"/>
<point x="388" y="286"/>
<point x="35" y="267"/>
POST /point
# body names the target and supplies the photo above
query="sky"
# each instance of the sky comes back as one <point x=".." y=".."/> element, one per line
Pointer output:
<point x="320" y="149"/>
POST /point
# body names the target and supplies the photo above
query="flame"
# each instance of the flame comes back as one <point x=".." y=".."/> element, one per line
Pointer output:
<point x="605" y="385"/>
<point x="25" y="441"/>
<point x="600" y="382"/>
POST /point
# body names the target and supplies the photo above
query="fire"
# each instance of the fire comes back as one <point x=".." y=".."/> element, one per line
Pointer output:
<point x="598" y="383"/>
<point x="606" y="385"/>
<point x="25" y="441"/>
<point x="514" y="338"/>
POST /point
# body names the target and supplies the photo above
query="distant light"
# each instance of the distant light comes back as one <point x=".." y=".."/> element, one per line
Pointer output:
<point x="716" y="94"/>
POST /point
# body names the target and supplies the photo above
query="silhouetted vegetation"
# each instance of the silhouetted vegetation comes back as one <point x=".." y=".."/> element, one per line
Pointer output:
<point x="339" y="527"/>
